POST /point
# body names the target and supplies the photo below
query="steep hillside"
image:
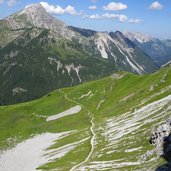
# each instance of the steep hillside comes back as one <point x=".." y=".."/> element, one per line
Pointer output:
<point x="40" y="63"/>
<point x="108" y="123"/>
<point x="39" y="53"/>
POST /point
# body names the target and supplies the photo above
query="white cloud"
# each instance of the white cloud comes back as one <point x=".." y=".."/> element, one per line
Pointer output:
<point x="110" y="16"/>
<point x="12" y="2"/>
<point x="70" y="10"/>
<point x="156" y="6"/>
<point x="113" y="6"/>
<point x="1" y="2"/>
<point x="134" y="21"/>
<point x="58" y="10"/>
<point x="52" y="9"/>
<point x="123" y="18"/>
<point x="95" y="17"/>
<point x="119" y="17"/>
<point x="92" y="7"/>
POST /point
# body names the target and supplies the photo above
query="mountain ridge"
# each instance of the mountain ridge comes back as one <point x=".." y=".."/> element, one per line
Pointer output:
<point x="68" y="55"/>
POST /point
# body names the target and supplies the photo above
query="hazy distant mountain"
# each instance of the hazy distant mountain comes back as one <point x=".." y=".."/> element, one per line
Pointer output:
<point x="39" y="53"/>
<point x="158" y="50"/>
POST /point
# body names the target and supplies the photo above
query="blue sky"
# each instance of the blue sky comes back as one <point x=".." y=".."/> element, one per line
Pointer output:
<point x="146" y="16"/>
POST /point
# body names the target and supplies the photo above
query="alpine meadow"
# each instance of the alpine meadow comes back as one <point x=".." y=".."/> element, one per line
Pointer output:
<point x="85" y="86"/>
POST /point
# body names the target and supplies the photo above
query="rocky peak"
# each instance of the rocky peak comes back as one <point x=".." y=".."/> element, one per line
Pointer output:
<point x="121" y="39"/>
<point x="141" y="38"/>
<point x="119" y="34"/>
<point x="34" y="16"/>
<point x="35" y="8"/>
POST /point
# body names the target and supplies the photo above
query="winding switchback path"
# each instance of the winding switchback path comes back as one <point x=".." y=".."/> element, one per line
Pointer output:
<point x="76" y="167"/>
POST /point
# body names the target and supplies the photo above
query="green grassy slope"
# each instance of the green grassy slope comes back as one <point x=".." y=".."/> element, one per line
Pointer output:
<point x="107" y="101"/>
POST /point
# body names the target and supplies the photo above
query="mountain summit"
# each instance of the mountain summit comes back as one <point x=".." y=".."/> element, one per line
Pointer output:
<point x="33" y="16"/>
<point x="36" y="16"/>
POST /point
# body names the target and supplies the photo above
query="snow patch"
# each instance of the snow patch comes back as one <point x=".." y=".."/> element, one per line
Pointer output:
<point x="152" y="87"/>
<point x="77" y="69"/>
<point x="85" y="95"/>
<point x="106" y="165"/>
<point x="163" y="78"/>
<point x="117" y="76"/>
<point x="54" y="61"/>
<point x="30" y="154"/>
<point x="91" y="95"/>
<point x="100" y="103"/>
<point x="18" y="90"/>
<point x="133" y="149"/>
<point x="127" y="97"/>
<point x="62" y="151"/>
<point x="70" y="111"/>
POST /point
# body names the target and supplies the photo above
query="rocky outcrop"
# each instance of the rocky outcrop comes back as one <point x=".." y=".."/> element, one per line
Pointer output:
<point x="166" y="154"/>
<point x="161" y="138"/>
<point x="159" y="135"/>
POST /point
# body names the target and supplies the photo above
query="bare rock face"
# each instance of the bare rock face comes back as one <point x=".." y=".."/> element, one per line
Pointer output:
<point x="33" y="16"/>
<point x="166" y="154"/>
<point x="36" y="16"/>
<point x="161" y="138"/>
<point x="159" y="135"/>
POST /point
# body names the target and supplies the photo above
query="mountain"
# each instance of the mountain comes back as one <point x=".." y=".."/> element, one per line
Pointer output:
<point x="120" y="122"/>
<point x="39" y="53"/>
<point x="34" y="16"/>
<point x="158" y="50"/>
